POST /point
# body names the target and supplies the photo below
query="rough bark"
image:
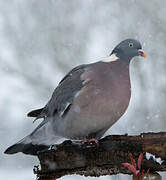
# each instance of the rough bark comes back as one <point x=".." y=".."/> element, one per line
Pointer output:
<point x="106" y="158"/>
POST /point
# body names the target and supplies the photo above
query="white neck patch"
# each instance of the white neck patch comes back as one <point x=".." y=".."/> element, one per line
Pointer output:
<point x="111" y="58"/>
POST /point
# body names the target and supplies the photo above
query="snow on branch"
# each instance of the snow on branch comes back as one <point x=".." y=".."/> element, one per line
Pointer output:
<point x="106" y="158"/>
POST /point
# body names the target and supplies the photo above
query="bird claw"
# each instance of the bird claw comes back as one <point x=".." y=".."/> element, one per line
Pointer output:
<point x="91" y="141"/>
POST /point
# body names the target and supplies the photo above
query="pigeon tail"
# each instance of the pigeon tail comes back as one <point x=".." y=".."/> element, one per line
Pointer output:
<point x="26" y="148"/>
<point x="39" y="140"/>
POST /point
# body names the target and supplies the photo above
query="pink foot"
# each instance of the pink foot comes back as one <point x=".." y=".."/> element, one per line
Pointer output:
<point x="90" y="141"/>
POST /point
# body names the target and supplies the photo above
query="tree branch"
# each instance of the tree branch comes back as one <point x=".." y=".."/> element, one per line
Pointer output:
<point x="106" y="158"/>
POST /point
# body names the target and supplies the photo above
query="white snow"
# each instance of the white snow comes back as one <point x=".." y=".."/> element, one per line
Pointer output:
<point x="158" y="160"/>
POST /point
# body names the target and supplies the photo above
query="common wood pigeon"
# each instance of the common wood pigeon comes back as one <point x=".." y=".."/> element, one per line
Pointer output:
<point x="86" y="103"/>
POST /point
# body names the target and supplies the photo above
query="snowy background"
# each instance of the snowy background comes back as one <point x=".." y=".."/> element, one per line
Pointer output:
<point x="40" y="41"/>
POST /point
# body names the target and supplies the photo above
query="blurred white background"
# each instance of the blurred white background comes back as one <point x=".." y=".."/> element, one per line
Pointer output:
<point x="40" y="41"/>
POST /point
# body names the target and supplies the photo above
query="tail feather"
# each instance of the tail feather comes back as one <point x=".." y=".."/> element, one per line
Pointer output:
<point x="40" y="139"/>
<point x="25" y="148"/>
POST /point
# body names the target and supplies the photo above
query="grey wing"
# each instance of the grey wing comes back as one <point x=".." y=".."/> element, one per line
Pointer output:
<point x="63" y="95"/>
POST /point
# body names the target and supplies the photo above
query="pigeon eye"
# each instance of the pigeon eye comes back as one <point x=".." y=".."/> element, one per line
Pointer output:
<point x="130" y="44"/>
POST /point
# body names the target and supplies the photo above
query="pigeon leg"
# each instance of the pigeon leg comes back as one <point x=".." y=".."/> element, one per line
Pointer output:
<point x="89" y="141"/>
<point x="93" y="140"/>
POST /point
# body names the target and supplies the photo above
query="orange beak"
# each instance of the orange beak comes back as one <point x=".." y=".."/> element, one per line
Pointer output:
<point x="141" y="53"/>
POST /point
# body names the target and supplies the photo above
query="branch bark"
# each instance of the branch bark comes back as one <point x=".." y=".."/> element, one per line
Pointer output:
<point x="106" y="158"/>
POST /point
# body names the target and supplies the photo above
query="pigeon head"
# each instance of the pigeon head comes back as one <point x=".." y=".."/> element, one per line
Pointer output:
<point x="128" y="49"/>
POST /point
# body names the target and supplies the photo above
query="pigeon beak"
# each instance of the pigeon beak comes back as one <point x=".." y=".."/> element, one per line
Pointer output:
<point x="141" y="53"/>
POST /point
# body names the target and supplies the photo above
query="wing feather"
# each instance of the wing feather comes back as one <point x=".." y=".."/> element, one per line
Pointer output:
<point x="63" y="95"/>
